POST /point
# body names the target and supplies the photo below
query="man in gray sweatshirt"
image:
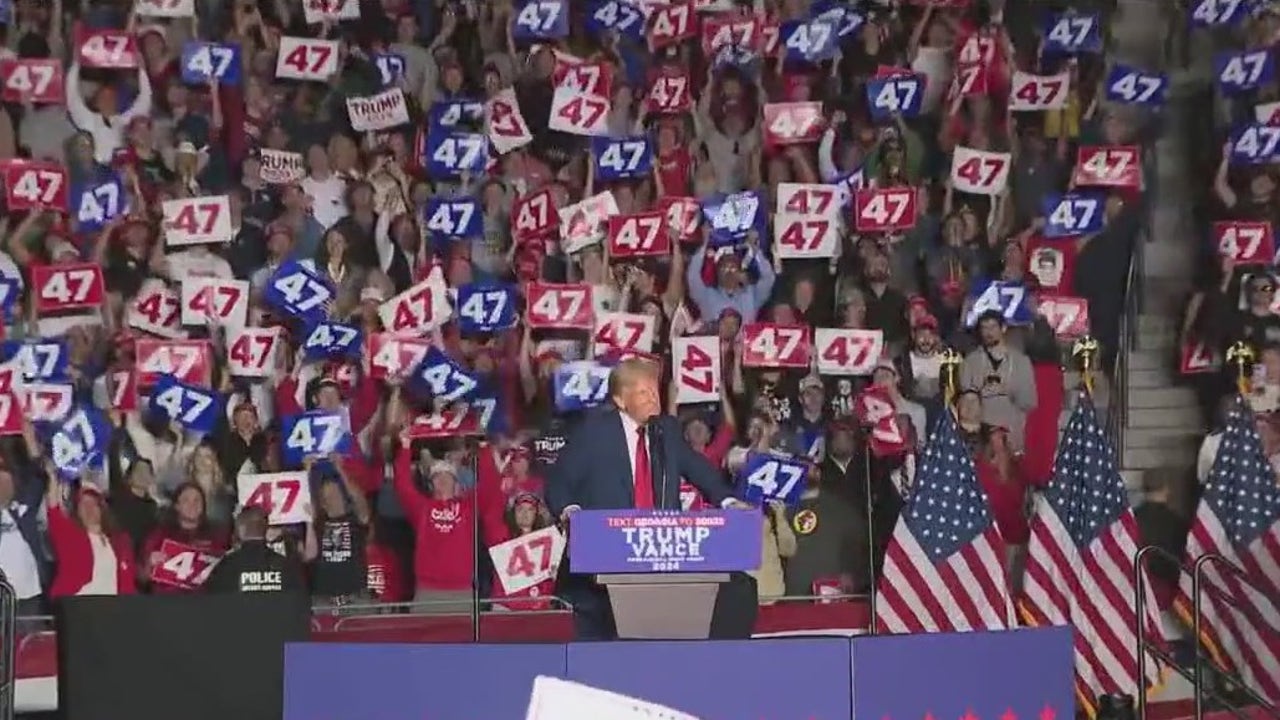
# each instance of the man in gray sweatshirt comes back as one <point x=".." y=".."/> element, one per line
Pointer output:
<point x="1002" y="376"/>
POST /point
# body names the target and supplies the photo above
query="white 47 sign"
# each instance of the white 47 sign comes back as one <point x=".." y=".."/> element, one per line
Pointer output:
<point x="530" y="559"/>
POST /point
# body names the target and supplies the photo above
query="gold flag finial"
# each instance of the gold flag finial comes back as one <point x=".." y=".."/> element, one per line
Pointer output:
<point x="950" y="373"/>
<point x="1242" y="355"/>
<point x="1086" y="350"/>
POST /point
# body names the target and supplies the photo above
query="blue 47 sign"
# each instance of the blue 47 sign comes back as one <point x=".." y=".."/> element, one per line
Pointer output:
<point x="194" y="408"/>
<point x="1007" y="298"/>
<point x="316" y="433"/>
<point x="771" y="477"/>
<point x="206" y="61"/>
<point x="97" y="205"/>
<point x="454" y="217"/>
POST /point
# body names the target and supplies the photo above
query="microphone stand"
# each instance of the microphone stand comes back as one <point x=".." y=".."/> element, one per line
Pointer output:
<point x="659" y="458"/>
<point x="477" y="548"/>
<point x="871" y="535"/>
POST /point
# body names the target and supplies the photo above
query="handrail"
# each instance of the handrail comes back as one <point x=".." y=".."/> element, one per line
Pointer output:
<point x="1197" y="574"/>
<point x="1196" y="675"/>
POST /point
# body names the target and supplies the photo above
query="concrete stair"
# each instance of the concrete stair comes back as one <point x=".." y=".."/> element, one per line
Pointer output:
<point x="1163" y="427"/>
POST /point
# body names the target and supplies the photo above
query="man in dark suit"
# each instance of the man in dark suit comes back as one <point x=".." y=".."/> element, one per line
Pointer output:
<point x="621" y="456"/>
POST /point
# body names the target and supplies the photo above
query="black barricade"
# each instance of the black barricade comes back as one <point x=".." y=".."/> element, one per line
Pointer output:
<point x="162" y="657"/>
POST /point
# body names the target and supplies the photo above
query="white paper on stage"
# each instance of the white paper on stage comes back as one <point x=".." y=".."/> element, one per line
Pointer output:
<point x="557" y="699"/>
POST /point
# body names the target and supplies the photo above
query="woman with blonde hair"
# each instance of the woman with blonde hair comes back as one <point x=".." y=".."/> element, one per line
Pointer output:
<point x="204" y="470"/>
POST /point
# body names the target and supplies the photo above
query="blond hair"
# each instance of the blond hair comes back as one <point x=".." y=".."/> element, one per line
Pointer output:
<point x="628" y="372"/>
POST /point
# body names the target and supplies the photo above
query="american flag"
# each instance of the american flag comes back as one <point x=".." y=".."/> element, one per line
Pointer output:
<point x="1239" y="518"/>
<point x="944" y="567"/>
<point x="1080" y="561"/>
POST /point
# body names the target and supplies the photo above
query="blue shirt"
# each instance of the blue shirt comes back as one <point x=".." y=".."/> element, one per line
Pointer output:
<point x="746" y="301"/>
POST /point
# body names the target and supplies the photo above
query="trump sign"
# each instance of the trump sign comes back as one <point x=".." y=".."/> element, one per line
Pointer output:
<point x="631" y="541"/>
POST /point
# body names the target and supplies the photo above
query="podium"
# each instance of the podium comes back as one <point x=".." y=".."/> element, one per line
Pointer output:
<point x="663" y="568"/>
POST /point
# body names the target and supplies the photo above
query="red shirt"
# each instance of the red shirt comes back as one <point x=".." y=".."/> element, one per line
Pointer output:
<point x="444" y="551"/>
<point x="1052" y="264"/>
<point x="1006" y="498"/>
<point x="673" y="169"/>
<point x="74" y="555"/>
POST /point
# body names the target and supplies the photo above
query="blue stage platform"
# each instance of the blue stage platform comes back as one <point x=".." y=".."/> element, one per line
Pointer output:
<point x="1014" y="675"/>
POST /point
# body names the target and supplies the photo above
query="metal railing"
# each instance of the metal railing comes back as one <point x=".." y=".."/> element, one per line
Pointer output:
<point x="1197" y="603"/>
<point x="1195" y="675"/>
<point x="9" y="650"/>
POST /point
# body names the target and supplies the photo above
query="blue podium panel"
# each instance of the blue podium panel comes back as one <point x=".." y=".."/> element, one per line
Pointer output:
<point x="392" y="682"/>
<point x="975" y="676"/>
<point x="784" y="679"/>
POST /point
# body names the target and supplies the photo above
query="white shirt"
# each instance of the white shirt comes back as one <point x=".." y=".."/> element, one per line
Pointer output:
<point x="631" y="431"/>
<point x="16" y="558"/>
<point x="328" y="199"/>
<point x="103" y="580"/>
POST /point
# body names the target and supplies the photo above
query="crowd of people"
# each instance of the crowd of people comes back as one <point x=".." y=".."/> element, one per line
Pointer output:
<point x="439" y="222"/>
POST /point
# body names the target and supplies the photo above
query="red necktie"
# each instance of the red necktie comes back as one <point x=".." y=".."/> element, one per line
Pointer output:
<point x="644" y="476"/>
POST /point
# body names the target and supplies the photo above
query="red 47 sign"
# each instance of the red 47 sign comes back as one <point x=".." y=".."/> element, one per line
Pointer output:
<point x="799" y="236"/>
<point x="122" y="390"/>
<point x="669" y="24"/>
<point x="1197" y="358"/>
<point x="225" y="302"/>
<point x="884" y="209"/>
<point x="875" y="408"/>
<point x="579" y="113"/>
<point x="252" y="351"/>
<point x="32" y="79"/>
<point x="555" y="305"/>
<point x="392" y="356"/>
<point x="108" y="49"/>
<point x="683" y="217"/>
<point x="770" y="345"/>
<point x="623" y="333"/>
<point x="808" y="200"/>
<point x="669" y="94"/>
<point x="306" y="58"/>
<point x="588" y="78"/>
<point x="285" y="496"/>
<point x="639" y="235"/>
<point x="1245" y="242"/>
<point x="182" y="566"/>
<point x="979" y="172"/>
<point x="724" y="29"/>
<point x="11" y="394"/>
<point x="535" y="216"/>
<point x="506" y="126"/>
<point x="457" y="420"/>
<point x="845" y="351"/>
<point x="792" y="123"/>
<point x="1039" y="92"/>
<point x="188" y="361"/>
<point x="32" y="185"/>
<point x="969" y="79"/>
<point x="1068" y="316"/>
<point x="1108" y="166"/>
<point x="73" y="286"/>
<point x="528" y="560"/>
<point x="696" y="368"/>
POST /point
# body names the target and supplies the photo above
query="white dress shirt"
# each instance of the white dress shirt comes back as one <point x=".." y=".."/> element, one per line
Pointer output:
<point x="16" y="558"/>
<point x="631" y="431"/>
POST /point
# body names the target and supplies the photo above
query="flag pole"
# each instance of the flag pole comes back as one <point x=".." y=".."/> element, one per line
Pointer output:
<point x="1086" y="350"/>
<point x="1242" y="355"/>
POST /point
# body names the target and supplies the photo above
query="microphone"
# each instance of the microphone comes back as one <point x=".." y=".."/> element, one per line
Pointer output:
<point x="659" y="464"/>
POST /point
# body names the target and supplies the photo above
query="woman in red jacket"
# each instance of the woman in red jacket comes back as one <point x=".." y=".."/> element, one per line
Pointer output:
<point x="444" y="532"/>
<point x="999" y="476"/>
<point x="187" y="522"/>
<point x="92" y="556"/>
<point x="527" y="515"/>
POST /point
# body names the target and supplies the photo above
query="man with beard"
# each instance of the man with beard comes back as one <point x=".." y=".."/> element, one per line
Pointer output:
<point x="1002" y="376"/>
<point x="886" y="306"/>
<point x="921" y="368"/>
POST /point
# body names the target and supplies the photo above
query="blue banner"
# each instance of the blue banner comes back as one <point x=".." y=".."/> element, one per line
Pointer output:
<point x="631" y="541"/>
<point x="439" y="682"/>
<point x="1023" y="674"/>
<point x="807" y="678"/>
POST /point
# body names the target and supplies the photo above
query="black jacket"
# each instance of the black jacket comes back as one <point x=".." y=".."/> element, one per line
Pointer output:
<point x="254" y="567"/>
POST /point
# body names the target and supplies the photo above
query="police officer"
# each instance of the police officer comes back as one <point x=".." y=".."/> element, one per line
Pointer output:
<point x="253" y="566"/>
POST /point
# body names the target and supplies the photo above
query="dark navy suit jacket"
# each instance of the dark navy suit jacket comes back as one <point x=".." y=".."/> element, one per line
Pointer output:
<point x="593" y="470"/>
